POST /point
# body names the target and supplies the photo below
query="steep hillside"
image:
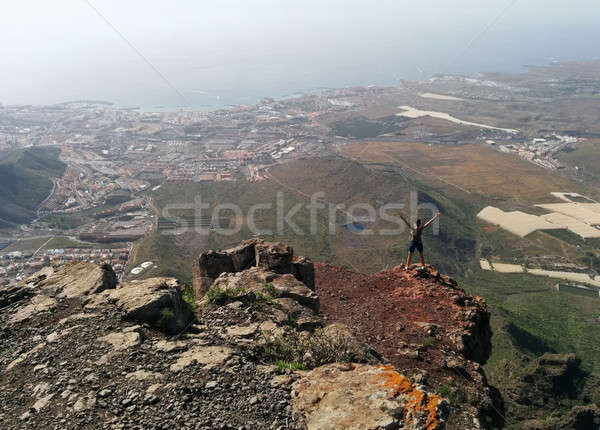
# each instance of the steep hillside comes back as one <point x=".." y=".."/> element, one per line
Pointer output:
<point x="340" y="182"/>
<point x="25" y="176"/>
<point x="264" y="344"/>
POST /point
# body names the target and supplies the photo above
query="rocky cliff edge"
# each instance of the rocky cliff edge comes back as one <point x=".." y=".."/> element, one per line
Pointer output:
<point x="264" y="340"/>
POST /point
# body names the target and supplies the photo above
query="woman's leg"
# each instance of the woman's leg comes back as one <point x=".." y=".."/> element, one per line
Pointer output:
<point x="409" y="259"/>
<point x="422" y="259"/>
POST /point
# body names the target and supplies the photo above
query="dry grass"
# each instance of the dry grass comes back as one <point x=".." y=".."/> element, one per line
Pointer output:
<point x="473" y="168"/>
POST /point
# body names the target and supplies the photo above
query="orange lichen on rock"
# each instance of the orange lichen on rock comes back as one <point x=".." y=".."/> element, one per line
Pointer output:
<point x="418" y="400"/>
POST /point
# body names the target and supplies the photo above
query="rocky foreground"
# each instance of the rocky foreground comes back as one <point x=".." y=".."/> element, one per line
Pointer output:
<point x="265" y="340"/>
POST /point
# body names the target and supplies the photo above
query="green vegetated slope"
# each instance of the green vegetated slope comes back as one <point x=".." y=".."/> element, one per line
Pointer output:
<point x="25" y="178"/>
<point x="530" y="318"/>
<point x="171" y="260"/>
<point x="341" y="182"/>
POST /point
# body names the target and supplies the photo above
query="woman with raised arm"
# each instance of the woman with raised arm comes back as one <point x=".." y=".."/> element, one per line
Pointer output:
<point x="416" y="232"/>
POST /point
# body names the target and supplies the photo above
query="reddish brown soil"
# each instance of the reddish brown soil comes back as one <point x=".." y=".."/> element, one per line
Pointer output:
<point x="412" y="317"/>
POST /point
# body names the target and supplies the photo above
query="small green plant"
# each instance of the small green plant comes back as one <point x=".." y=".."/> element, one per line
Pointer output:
<point x="264" y="298"/>
<point x="445" y="391"/>
<point x="277" y="348"/>
<point x="454" y="396"/>
<point x="70" y="323"/>
<point x="290" y="365"/>
<point x="428" y="341"/>
<point x="166" y="313"/>
<point x="312" y="351"/>
<point x="220" y="295"/>
<point x="187" y="292"/>
<point x="270" y="289"/>
<point x="167" y="317"/>
<point x="293" y="322"/>
<point x="7" y="349"/>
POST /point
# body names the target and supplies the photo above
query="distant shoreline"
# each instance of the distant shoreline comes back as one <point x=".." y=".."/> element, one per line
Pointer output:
<point x="221" y="102"/>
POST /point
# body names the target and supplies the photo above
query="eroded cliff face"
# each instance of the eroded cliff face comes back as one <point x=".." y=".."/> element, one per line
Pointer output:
<point x="269" y="341"/>
<point x="425" y="325"/>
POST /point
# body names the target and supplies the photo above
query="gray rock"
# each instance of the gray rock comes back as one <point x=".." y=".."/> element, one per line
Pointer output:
<point x="155" y="301"/>
<point x="105" y="393"/>
<point x="274" y="256"/>
<point x="303" y="269"/>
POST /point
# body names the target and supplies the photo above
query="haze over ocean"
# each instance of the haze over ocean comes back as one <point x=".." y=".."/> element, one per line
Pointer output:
<point x="237" y="52"/>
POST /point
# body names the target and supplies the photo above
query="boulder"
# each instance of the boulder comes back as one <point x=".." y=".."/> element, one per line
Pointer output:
<point x="212" y="263"/>
<point x="274" y="256"/>
<point x="38" y="304"/>
<point x="253" y="279"/>
<point x="72" y="280"/>
<point x="262" y="281"/>
<point x="25" y="356"/>
<point x="288" y="286"/>
<point x="350" y="396"/>
<point x="155" y="301"/>
<point x="207" y="356"/>
<point x="340" y="337"/>
<point x="75" y="280"/>
<point x="122" y="340"/>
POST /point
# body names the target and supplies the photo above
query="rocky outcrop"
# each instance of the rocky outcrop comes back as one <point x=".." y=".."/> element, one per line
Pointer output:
<point x="155" y="301"/>
<point x="273" y="342"/>
<point x="359" y="397"/>
<point x="304" y="270"/>
<point x="274" y="257"/>
<point x="75" y="280"/>
<point x="46" y="287"/>
<point x="421" y="321"/>
<point x="208" y="267"/>
<point x="262" y="281"/>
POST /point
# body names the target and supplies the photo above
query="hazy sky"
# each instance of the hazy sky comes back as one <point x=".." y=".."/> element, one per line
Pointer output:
<point x="237" y="51"/>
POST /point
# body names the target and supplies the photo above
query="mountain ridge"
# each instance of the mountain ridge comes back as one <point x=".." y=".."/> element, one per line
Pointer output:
<point x="263" y="340"/>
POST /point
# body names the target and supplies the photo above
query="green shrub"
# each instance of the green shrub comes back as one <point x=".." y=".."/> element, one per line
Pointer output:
<point x="290" y="365"/>
<point x="311" y="351"/>
<point x="264" y="298"/>
<point x="270" y="289"/>
<point x="453" y="395"/>
<point x="220" y="295"/>
<point x="7" y="349"/>
<point x="187" y="292"/>
<point x="277" y="348"/>
<point x="167" y="318"/>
